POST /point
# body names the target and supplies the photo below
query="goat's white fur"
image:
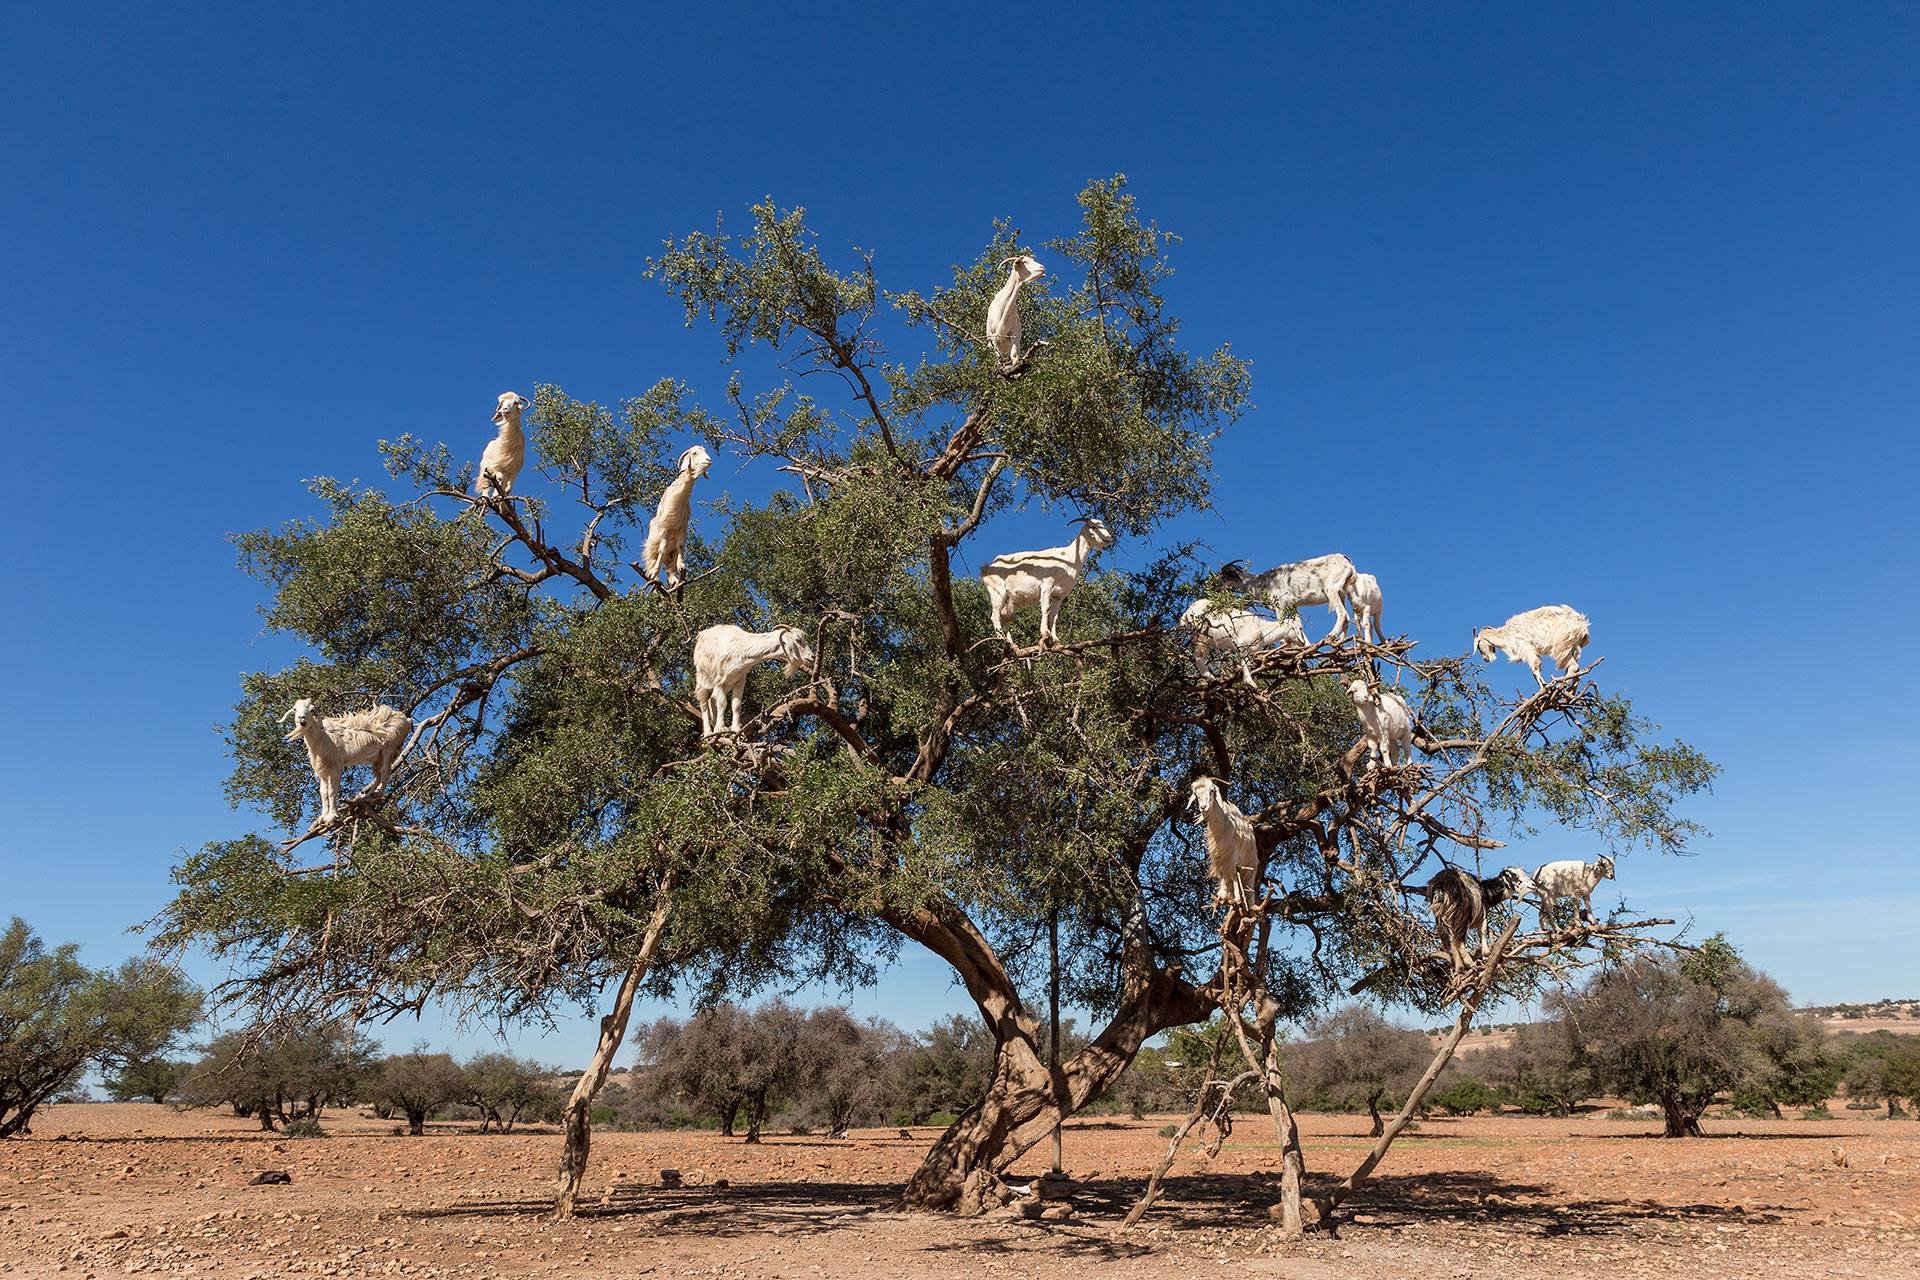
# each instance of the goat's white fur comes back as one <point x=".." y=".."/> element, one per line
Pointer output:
<point x="1368" y="608"/>
<point x="337" y="743"/>
<point x="1003" y="313"/>
<point x="506" y="453"/>
<point x="1324" y="580"/>
<point x="1233" y="854"/>
<point x="1387" y="722"/>
<point x="724" y="655"/>
<point x="1241" y="632"/>
<point x="1556" y="631"/>
<point x="1570" y="880"/>
<point x="1021" y="578"/>
<point x="666" y="549"/>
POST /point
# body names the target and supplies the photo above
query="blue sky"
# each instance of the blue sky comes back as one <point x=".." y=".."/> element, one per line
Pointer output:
<point x="1617" y="305"/>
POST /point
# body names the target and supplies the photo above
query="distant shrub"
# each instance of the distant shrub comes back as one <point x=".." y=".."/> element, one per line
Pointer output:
<point x="1465" y="1096"/>
<point x="1168" y="1130"/>
<point x="1816" y="1113"/>
<point x="306" y="1127"/>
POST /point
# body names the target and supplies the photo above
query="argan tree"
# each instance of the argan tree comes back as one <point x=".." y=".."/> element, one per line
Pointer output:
<point x="1356" y="1058"/>
<point x="58" y="1017"/>
<point x="558" y="824"/>
<point x="1680" y="1030"/>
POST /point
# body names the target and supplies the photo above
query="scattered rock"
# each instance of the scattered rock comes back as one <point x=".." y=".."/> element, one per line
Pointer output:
<point x="1056" y="1212"/>
<point x="670" y="1178"/>
<point x="270" y="1177"/>
<point x="721" y="1184"/>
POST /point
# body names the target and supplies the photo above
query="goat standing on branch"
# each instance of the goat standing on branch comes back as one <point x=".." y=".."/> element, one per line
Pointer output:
<point x="1241" y="632"/>
<point x="666" y="550"/>
<point x="1387" y="722"/>
<point x="1367" y="608"/>
<point x="1233" y="854"/>
<point x="506" y="453"/>
<point x="337" y="743"/>
<point x="1570" y="880"/>
<point x="1324" y="580"/>
<point x="1021" y="578"/>
<point x="1554" y="631"/>
<point x="724" y="655"/>
<point x="1459" y="901"/>
<point x="1003" y="313"/>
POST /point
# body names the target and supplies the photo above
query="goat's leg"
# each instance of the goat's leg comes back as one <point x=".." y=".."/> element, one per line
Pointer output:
<point x="734" y="698"/>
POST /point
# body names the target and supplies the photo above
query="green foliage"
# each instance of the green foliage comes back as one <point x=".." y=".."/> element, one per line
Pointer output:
<point x="281" y="1074"/>
<point x="1465" y="1096"/>
<point x="146" y="1079"/>
<point x="58" y="1017"/>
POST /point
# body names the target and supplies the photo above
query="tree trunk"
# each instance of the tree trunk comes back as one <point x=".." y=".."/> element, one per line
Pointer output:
<point x="1682" y="1116"/>
<point x="727" y="1112"/>
<point x="1373" y="1109"/>
<point x="416" y="1122"/>
<point x="1468" y="1003"/>
<point x="1024" y="1099"/>
<point x="577" y="1120"/>
<point x="756" y="1113"/>
<point x="1293" y="1165"/>
<point x="265" y="1112"/>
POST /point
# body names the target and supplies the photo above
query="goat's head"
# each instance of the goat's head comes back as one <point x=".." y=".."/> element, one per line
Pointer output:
<point x="696" y="460"/>
<point x="1236" y="574"/>
<point x="1024" y="267"/>
<point x="1361" y="693"/>
<point x="1515" y="883"/>
<point x="299" y="713"/>
<point x="1203" y="795"/>
<point x="795" y="652"/>
<point x="510" y="406"/>
<point x="1482" y="645"/>
<point x="1605" y="865"/>
<point x="1095" y="531"/>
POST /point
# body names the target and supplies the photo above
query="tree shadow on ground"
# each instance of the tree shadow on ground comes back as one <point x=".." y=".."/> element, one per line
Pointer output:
<point x="1437" y="1199"/>
<point x="1193" y="1202"/>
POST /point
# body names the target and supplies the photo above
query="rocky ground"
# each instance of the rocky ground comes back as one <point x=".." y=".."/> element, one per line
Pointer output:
<point x="103" y="1190"/>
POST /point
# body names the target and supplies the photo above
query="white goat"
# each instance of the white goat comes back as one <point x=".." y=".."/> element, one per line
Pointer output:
<point x="1003" y="313"/>
<point x="506" y="453"/>
<point x="724" y="655"/>
<point x="666" y="550"/>
<point x="1324" y="580"/>
<point x="1367" y="608"/>
<point x="1021" y="578"/>
<point x="1556" y="631"/>
<point x="1233" y="854"/>
<point x="337" y="743"/>
<point x="1386" y="721"/>
<point x="1570" y="880"/>
<point x="1241" y="632"/>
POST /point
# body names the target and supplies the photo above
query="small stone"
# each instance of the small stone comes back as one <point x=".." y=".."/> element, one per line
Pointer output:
<point x="670" y="1178"/>
<point x="270" y="1177"/>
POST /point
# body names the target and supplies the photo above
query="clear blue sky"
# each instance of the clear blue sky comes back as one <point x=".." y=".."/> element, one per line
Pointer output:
<point x="1617" y="305"/>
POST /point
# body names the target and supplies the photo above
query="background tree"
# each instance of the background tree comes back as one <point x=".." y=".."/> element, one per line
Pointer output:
<point x="281" y="1075"/>
<point x="418" y="1083"/>
<point x="504" y="1088"/>
<point x="701" y="1062"/>
<point x="1541" y="1070"/>
<point x="839" y="1077"/>
<point x="1356" y="1059"/>
<point x="1679" y="1030"/>
<point x="58" y="1017"/>
<point x="559" y="825"/>
<point x="943" y="1072"/>
<point x="148" y="1079"/>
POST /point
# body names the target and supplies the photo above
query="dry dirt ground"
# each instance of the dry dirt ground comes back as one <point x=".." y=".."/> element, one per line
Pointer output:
<point x="103" y="1190"/>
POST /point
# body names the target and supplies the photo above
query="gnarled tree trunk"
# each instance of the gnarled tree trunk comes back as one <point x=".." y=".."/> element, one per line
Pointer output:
<point x="1025" y="1098"/>
<point x="577" y="1120"/>
<point x="1682" y="1116"/>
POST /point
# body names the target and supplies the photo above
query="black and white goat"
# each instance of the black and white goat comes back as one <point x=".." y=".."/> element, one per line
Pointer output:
<point x="1324" y="580"/>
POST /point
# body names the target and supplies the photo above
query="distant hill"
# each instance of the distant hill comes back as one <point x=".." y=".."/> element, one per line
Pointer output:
<point x="1901" y="1017"/>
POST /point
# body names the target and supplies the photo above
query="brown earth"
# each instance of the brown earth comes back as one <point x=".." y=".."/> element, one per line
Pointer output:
<point x="103" y="1189"/>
